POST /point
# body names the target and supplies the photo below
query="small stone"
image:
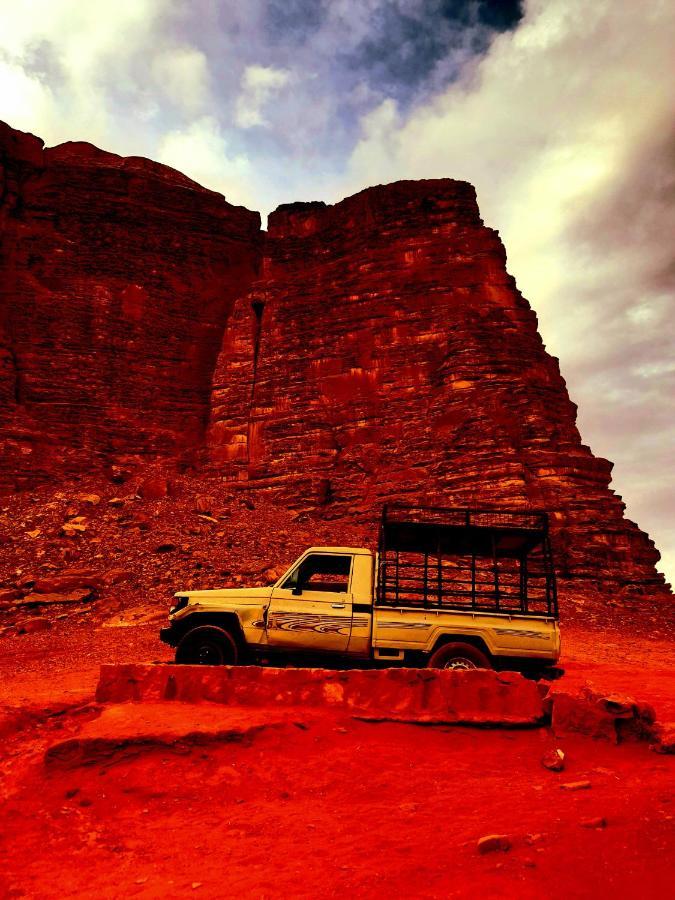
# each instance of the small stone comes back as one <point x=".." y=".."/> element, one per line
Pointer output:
<point x="575" y="785"/>
<point x="195" y="885"/>
<point x="533" y="838"/>
<point x="32" y="626"/>
<point x="205" y="504"/>
<point x="114" y="576"/>
<point x="155" y="488"/>
<point x="165" y="548"/>
<point x="142" y="522"/>
<point x="79" y="596"/>
<point x="119" y="474"/>
<point x="553" y="760"/>
<point x="665" y="739"/>
<point x="116" y="501"/>
<point x="598" y="822"/>
<point x="90" y="499"/>
<point x="493" y="842"/>
<point x="72" y="529"/>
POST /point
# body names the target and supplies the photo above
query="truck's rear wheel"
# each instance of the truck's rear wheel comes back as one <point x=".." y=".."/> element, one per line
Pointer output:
<point x="458" y="656"/>
<point x="207" y="645"/>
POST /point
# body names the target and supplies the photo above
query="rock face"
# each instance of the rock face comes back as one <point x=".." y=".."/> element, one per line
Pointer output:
<point x="118" y="276"/>
<point x="386" y="353"/>
<point x="356" y="353"/>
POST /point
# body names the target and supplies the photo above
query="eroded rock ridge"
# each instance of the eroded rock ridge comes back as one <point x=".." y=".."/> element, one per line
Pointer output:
<point x="371" y="350"/>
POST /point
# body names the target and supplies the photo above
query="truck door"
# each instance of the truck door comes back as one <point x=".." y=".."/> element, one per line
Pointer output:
<point x="312" y="608"/>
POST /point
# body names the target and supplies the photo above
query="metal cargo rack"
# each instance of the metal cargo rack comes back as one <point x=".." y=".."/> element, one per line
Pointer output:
<point x="483" y="560"/>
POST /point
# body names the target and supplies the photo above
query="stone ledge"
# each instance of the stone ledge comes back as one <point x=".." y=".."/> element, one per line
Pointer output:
<point x="479" y="697"/>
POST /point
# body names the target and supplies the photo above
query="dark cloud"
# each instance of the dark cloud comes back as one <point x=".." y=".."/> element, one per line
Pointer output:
<point x="407" y="41"/>
<point x="293" y="20"/>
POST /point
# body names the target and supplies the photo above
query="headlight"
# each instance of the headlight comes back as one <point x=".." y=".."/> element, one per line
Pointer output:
<point x="181" y="603"/>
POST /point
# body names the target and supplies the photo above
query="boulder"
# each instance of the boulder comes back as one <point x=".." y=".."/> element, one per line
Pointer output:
<point x="610" y="717"/>
<point x="68" y="581"/>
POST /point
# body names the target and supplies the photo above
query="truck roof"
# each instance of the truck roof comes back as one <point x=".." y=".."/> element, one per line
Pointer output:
<point x="358" y="551"/>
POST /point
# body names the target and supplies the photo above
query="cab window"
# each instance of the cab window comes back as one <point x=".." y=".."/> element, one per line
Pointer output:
<point x="320" y="572"/>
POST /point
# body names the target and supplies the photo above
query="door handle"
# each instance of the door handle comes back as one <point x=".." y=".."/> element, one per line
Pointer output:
<point x="338" y="605"/>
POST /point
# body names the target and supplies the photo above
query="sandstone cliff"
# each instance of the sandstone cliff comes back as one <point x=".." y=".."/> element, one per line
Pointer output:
<point x="355" y="353"/>
<point x="386" y="353"/>
<point x="118" y="276"/>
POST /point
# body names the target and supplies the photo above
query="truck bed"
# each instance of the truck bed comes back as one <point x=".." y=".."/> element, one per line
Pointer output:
<point x="461" y="560"/>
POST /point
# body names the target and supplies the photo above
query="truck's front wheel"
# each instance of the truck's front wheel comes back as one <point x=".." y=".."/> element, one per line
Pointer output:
<point x="458" y="656"/>
<point x="207" y="645"/>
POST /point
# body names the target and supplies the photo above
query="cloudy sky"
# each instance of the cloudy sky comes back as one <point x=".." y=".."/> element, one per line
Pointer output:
<point x="561" y="113"/>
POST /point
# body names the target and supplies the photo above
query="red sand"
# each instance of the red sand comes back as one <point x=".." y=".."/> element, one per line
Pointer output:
<point x="335" y="808"/>
<point x="343" y="808"/>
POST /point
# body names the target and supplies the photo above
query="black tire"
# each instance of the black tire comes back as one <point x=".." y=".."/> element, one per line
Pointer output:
<point x="459" y="656"/>
<point x="207" y="645"/>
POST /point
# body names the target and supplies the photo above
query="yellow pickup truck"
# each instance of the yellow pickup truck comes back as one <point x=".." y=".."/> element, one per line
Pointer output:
<point x="447" y="588"/>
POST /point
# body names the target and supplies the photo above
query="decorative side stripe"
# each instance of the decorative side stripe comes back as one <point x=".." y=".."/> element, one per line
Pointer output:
<point x="519" y="632"/>
<point x="318" y="623"/>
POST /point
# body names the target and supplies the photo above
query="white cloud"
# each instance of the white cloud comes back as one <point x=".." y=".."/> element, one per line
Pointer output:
<point x="182" y="74"/>
<point x="73" y="57"/>
<point x="259" y="84"/>
<point x="200" y="151"/>
<point x="23" y="99"/>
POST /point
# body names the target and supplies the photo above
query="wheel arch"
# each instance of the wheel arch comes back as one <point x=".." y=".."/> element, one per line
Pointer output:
<point x="229" y="621"/>
<point x="453" y="637"/>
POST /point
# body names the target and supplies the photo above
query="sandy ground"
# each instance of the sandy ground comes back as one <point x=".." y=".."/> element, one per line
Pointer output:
<point x="340" y="808"/>
<point x="327" y="806"/>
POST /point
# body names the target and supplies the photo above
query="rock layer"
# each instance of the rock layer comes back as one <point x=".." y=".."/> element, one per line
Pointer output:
<point x="372" y="350"/>
<point x="118" y="276"/>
